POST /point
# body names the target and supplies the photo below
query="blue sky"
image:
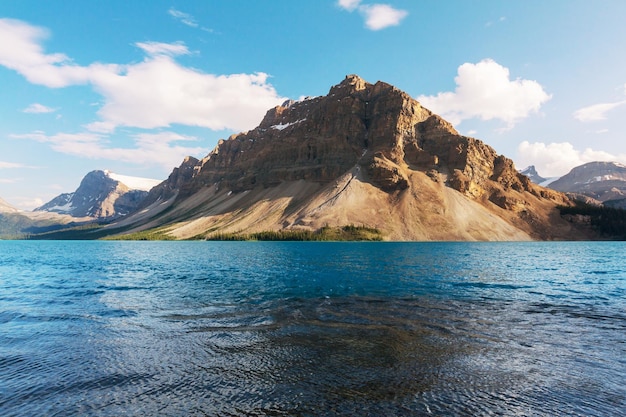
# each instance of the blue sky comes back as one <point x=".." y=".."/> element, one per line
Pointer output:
<point x="134" y="87"/>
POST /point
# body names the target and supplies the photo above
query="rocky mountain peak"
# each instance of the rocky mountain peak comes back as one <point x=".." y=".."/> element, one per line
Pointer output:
<point x="531" y="172"/>
<point x="371" y="134"/>
<point x="351" y="84"/>
<point x="373" y="126"/>
<point x="99" y="196"/>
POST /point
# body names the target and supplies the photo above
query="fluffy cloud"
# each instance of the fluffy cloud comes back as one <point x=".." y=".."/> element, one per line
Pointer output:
<point x="380" y="16"/>
<point x="349" y="5"/>
<point x="156" y="92"/>
<point x="37" y="108"/>
<point x="377" y="16"/>
<point x="150" y="148"/>
<point x="20" y="50"/>
<point x="557" y="159"/>
<point x="485" y="91"/>
<point x="159" y="92"/>
<point x="596" y="112"/>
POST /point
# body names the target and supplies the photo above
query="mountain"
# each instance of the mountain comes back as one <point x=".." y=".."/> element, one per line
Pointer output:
<point x="532" y="174"/>
<point x="602" y="181"/>
<point x="15" y="223"/>
<point x="365" y="154"/>
<point x="102" y="195"/>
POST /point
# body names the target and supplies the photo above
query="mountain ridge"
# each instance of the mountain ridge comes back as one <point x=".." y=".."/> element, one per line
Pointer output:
<point x="7" y="208"/>
<point x="602" y="181"/>
<point x="595" y="183"/>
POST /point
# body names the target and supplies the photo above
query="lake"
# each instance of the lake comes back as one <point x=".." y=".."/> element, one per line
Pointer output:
<point x="312" y="329"/>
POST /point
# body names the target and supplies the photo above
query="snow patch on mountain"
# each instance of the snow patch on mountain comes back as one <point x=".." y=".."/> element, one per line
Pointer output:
<point x="286" y="125"/>
<point x="133" y="183"/>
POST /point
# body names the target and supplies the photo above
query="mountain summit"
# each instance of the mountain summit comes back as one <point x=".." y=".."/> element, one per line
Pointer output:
<point x="533" y="175"/>
<point x="102" y="195"/>
<point x="365" y="154"/>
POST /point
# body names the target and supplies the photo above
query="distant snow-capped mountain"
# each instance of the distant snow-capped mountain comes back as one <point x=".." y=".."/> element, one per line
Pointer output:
<point x="102" y="194"/>
<point x="531" y="172"/>
<point x="603" y="181"/>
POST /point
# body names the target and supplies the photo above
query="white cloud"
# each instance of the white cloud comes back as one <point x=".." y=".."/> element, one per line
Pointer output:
<point x="377" y="16"/>
<point x="156" y="92"/>
<point x="596" y="112"/>
<point x="183" y="17"/>
<point x="159" y="92"/>
<point x="349" y="5"/>
<point x="21" y="51"/>
<point x="187" y="19"/>
<point x="557" y="159"/>
<point x="159" y="48"/>
<point x="485" y="91"/>
<point x="10" y="165"/>
<point x="37" y="108"/>
<point x="150" y="148"/>
<point x="381" y="16"/>
<point x="29" y="203"/>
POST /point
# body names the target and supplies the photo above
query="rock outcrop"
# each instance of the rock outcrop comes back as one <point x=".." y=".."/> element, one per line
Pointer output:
<point x="363" y="154"/>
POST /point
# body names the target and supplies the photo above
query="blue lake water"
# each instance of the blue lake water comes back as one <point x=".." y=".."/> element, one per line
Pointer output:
<point x="312" y="329"/>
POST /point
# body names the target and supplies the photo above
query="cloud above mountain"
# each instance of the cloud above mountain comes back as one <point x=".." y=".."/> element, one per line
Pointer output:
<point x="485" y="91"/>
<point x="376" y="16"/>
<point x="557" y="159"/>
<point x="155" y="92"/>
<point x="161" y="148"/>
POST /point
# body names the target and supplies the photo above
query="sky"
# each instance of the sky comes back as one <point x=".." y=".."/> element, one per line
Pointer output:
<point x="134" y="87"/>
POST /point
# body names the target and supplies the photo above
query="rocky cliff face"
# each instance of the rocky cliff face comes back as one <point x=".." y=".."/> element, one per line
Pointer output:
<point x="602" y="181"/>
<point x="98" y="196"/>
<point x="364" y="154"/>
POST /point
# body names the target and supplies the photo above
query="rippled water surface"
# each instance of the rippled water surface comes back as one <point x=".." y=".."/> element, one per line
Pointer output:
<point x="312" y="329"/>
